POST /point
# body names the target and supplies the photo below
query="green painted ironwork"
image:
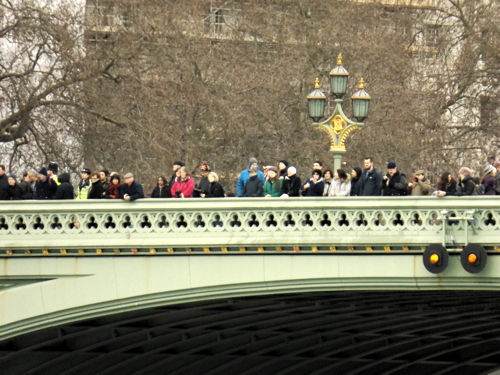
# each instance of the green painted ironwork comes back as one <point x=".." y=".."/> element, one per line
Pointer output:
<point x="62" y="228"/>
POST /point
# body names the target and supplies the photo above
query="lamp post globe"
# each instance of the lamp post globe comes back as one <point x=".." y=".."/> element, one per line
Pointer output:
<point x="338" y="79"/>
<point x="360" y="102"/>
<point x="316" y="102"/>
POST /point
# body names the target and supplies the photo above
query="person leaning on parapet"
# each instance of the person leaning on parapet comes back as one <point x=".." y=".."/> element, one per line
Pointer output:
<point x="465" y="184"/>
<point x="85" y="184"/>
<point x="65" y="189"/>
<point x="394" y="182"/>
<point x="370" y="183"/>
<point x="52" y="170"/>
<point x="245" y="175"/>
<point x="45" y="188"/>
<point x="419" y="185"/>
<point x="131" y="189"/>
<point x="291" y="184"/>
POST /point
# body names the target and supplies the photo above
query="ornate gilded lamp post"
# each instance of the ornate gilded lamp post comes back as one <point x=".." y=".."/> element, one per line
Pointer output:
<point x="338" y="125"/>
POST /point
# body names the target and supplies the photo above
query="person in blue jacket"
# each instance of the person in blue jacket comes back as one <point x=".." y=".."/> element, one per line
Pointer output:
<point x="245" y="175"/>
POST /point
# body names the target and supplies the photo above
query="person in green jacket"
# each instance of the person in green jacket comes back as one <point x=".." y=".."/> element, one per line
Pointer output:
<point x="272" y="187"/>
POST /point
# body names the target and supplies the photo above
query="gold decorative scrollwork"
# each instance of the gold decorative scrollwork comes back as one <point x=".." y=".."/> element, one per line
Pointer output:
<point x="346" y="133"/>
<point x="338" y="124"/>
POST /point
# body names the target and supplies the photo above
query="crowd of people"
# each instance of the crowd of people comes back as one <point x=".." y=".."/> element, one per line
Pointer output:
<point x="281" y="180"/>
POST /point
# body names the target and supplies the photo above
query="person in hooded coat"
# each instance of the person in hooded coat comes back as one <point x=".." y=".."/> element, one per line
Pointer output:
<point x="341" y="185"/>
<point x="14" y="192"/>
<point x="65" y="189"/>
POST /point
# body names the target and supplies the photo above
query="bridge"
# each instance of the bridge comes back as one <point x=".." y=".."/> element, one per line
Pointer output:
<point x="248" y="286"/>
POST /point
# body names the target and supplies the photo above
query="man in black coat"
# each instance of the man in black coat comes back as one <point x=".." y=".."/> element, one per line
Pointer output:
<point x="291" y="184"/>
<point x="131" y="190"/>
<point x="254" y="186"/>
<point x="394" y="183"/>
<point x="4" y="183"/>
<point x="45" y="187"/>
<point x="65" y="189"/>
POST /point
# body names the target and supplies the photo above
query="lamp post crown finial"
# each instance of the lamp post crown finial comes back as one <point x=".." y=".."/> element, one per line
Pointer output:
<point x="339" y="59"/>
<point x="316" y="83"/>
<point x="361" y="83"/>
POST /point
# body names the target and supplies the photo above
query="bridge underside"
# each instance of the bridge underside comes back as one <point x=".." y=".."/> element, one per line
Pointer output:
<point x="427" y="332"/>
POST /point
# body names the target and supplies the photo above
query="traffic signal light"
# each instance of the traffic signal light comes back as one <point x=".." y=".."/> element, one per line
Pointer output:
<point x="436" y="258"/>
<point x="473" y="258"/>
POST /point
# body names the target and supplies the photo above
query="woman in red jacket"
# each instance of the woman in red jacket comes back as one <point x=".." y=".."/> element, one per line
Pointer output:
<point x="183" y="186"/>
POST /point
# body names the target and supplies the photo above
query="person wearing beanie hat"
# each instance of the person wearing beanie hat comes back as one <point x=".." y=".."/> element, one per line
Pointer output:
<point x="465" y="185"/>
<point x="291" y="184"/>
<point x="419" y="185"/>
<point x="245" y="175"/>
<point x="272" y="187"/>
<point x="394" y="183"/>
<point x="44" y="189"/>
<point x="370" y="183"/>
<point x="488" y="180"/>
<point x="283" y="168"/>
<point x="176" y="165"/>
<point x="52" y="172"/>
